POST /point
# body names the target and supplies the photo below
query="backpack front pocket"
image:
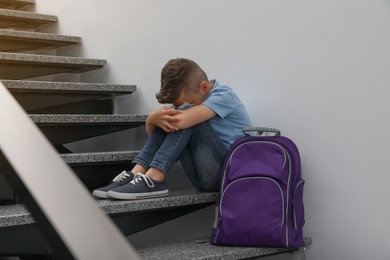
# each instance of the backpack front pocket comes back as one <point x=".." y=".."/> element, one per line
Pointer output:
<point x="257" y="220"/>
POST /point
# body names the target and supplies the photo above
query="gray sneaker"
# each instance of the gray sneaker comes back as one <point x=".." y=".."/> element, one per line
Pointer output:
<point x="121" y="179"/>
<point x="141" y="187"/>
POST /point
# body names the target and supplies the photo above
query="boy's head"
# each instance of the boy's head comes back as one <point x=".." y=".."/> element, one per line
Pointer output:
<point x="178" y="76"/>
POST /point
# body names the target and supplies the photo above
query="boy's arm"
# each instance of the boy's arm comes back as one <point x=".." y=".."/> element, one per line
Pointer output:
<point x="163" y="118"/>
<point x="193" y="116"/>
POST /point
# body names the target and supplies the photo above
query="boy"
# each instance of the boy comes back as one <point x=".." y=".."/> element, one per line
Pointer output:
<point x="206" y="119"/>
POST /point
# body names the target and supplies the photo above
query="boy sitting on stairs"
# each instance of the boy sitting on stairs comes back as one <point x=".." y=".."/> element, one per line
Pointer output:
<point x="204" y="120"/>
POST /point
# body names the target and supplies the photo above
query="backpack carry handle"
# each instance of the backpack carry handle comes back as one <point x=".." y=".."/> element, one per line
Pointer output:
<point x="261" y="130"/>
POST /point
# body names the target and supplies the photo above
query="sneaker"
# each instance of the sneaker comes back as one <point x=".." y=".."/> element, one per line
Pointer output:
<point x="120" y="180"/>
<point x="140" y="187"/>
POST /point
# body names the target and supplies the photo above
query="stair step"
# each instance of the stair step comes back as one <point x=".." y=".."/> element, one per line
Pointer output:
<point x="20" y="66"/>
<point x="98" y="158"/>
<point x="40" y="96"/>
<point x="16" y="4"/>
<point x="14" y="19"/>
<point x="16" y="41"/>
<point x="100" y="120"/>
<point x="18" y="215"/>
<point x="20" y="235"/>
<point x="68" y="87"/>
<point x="97" y="169"/>
<point x="204" y="250"/>
<point x="176" y="199"/>
<point x="61" y="129"/>
<point x="93" y="169"/>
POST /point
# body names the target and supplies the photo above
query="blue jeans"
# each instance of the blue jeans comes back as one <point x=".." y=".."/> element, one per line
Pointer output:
<point x="198" y="148"/>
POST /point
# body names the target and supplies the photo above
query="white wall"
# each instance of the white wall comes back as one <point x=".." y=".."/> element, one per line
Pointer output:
<point x="318" y="70"/>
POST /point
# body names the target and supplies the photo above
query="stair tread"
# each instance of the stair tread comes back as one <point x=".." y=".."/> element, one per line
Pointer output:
<point x="86" y="119"/>
<point x="22" y="57"/>
<point x="16" y="4"/>
<point x="12" y="40"/>
<point x="65" y="128"/>
<point x="18" y="215"/>
<point x="21" y="65"/>
<point x="203" y="249"/>
<point x="16" y="19"/>
<point x="68" y="86"/>
<point x="28" y="16"/>
<point x="98" y="157"/>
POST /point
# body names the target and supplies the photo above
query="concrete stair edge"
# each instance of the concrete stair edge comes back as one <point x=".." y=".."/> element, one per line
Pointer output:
<point x="202" y="249"/>
<point x="51" y="59"/>
<point x="16" y="4"/>
<point x="98" y="157"/>
<point x="73" y="87"/>
<point x="87" y="118"/>
<point x="28" y="16"/>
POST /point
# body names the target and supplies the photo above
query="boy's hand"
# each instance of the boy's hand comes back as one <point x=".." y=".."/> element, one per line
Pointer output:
<point x="163" y="118"/>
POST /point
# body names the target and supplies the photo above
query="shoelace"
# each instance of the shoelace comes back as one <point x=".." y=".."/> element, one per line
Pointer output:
<point x="139" y="177"/>
<point x="121" y="176"/>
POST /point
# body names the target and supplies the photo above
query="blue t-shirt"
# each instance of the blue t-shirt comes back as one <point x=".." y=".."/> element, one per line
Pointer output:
<point x="231" y="116"/>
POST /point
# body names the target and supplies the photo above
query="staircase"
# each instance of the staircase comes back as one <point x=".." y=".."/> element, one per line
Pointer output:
<point x="72" y="111"/>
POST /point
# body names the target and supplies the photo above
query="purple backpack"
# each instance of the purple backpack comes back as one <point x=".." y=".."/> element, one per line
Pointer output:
<point x="261" y="198"/>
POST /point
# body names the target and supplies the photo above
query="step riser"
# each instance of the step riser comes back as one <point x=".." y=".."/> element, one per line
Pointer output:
<point x="92" y="176"/>
<point x="62" y="129"/>
<point x="62" y="134"/>
<point x="94" y="170"/>
<point x="52" y="103"/>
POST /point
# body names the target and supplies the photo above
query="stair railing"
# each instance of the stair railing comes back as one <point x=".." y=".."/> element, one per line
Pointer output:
<point x="62" y="207"/>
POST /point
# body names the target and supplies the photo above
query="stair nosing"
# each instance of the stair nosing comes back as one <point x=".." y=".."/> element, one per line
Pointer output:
<point x="87" y="118"/>
<point x="18" y="215"/>
<point x="98" y="157"/>
<point x="49" y="59"/>
<point x="16" y="4"/>
<point x="69" y="86"/>
<point x="39" y="36"/>
<point x="31" y="2"/>
<point x="25" y="15"/>
<point x="202" y="249"/>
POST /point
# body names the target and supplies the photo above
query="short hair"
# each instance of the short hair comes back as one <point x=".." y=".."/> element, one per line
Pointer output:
<point x="179" y="74"/>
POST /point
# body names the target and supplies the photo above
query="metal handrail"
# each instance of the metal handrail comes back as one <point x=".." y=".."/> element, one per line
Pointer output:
<point x="61" y="205"/>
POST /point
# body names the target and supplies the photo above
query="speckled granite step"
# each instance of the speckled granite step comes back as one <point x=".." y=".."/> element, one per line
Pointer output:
<point x="68" y="87"/>
<point x="16" y="41"/>
<point x="20" y="66"/>
<point x="14" y="19"/>
<point x="18" y="215"/>
<point x="98" y="158"/>
<point x="61" y="129"/>
<point x="43" y="97"/>
<point x="16" y="4"/>
<point x="100" y="120"/>
<point x="19" y="234"/>
<point x="202" y="249"/>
